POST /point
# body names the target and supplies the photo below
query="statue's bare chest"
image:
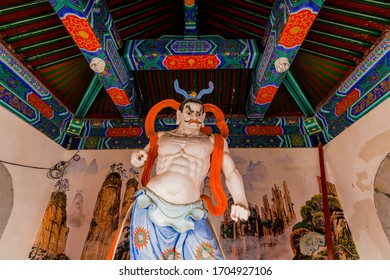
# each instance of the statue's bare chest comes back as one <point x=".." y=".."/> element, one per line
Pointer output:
<point x="198" y="146"/>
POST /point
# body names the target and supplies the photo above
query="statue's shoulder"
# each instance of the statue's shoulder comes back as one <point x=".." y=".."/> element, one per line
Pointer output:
<point x="161" y="133"/>
<point x="212" y="138"/>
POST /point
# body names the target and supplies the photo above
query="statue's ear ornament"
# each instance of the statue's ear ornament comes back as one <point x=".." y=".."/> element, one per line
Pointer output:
<point x="193" y="94"/>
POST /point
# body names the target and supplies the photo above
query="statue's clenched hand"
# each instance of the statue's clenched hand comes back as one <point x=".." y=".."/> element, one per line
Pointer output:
<point x="138" y="157"/>
<point x="239" y="212"/>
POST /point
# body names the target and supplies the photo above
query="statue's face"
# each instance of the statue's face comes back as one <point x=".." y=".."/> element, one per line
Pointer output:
<point x="192" y="117"/>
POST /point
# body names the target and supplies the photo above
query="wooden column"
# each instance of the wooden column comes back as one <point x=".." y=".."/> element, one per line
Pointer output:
<point x="325" y="202"/>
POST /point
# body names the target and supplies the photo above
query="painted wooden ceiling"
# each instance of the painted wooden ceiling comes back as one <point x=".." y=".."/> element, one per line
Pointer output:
<point x="337" y="50"/>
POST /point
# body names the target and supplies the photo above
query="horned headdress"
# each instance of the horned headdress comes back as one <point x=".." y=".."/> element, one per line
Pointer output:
<point x="193" y="94"/>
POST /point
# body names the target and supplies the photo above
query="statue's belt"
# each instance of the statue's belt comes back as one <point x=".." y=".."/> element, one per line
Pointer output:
<point x="163" y="213"/>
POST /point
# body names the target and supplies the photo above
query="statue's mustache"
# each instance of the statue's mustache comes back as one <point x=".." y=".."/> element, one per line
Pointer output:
<point x="192" y="121"/>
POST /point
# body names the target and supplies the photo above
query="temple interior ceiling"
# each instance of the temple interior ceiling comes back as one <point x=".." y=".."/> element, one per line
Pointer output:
<point x="284" y="73"/>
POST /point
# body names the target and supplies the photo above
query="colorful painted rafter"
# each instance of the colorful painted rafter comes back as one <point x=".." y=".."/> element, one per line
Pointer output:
<point x="94" y="32"/>
<point x="288" y="25"/>
<point x="243" y="133"/>
<point x="190" y="21"/>
<point x="207" y="52"/>
<point x="23" y="94"/>
<point x="367" y="87"/>
<point x="362" y="91"/>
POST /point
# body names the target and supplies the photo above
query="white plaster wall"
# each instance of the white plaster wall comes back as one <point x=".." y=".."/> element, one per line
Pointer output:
<point x="23" y="144"/>
<point x="352" y="160"/>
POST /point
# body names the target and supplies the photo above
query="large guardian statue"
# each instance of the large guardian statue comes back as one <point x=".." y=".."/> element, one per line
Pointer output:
<point x="168" y="219"/>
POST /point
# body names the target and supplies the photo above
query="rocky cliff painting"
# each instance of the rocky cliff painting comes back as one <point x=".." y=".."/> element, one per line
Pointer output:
<point x="51" y="239"/>
<point x="105" y="218"/>
<point x="308" y="235"/>
<point x="266" y="234"/>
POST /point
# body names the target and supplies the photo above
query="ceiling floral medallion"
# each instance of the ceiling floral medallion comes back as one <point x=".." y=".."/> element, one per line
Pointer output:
<point x="182" y="62"/>
<point x="82" y="33"/>
<point x="263" y="130"/>
<point x="297" y="27"/>
<point x="297" y="141"/>
<point x="344" y="104"/>
<point x="123" y="131"/>
<point x="189" y="2"/>
<point x="119" y="96"/>
<point x="40" y="105"/>
<point x="91" y="142"/>
<point x="266" y="94"/>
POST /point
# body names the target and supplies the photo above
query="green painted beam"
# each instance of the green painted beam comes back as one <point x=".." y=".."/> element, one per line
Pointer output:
<point x="268" y="79"/>
<point x="23" y="22"/>
<point x="298" y="95"/>
<point x="58" y="61"/>
<point x="33" y="33"/>
<point x="141" y="12"/>
<point x="346" y="51"/>
<point x="350" y="13"/>
<point x="343" y="61"/>
<point x="50" y="53"/>
<point x="145" y="20"/>
<point x="245" y="31"/>
<point x="342" y="38"/>
<point x="258" y="3"/>
<point x="20" y="7"/>
<point x="89" y="97"/>
<point x="241" y="19"/>
<point x="357" y="29"/>
<point x="41" y="44"/>
<point x="378" y="3"/>
<point x="131" y="3"/>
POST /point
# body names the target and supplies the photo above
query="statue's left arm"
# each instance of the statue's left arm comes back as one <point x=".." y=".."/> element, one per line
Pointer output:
<point x="235" y="185"/>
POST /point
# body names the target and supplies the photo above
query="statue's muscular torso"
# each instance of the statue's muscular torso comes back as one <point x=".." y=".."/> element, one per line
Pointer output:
<point x="182" y="164"/>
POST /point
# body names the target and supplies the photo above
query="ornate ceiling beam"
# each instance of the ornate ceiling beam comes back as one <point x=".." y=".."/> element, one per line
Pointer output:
<point x="89" y="96"/>
<point x="297" y="93"/>
<point x="243" y="133"/>
<point x="365" y="88"/>
<point x="288" y="25"/>
<point x="92" y="28"/>
<point x="190" y="51"/>
<point x="181" y="53"/>
<point x="190" y="18"/>
<point x="25" y="96"/>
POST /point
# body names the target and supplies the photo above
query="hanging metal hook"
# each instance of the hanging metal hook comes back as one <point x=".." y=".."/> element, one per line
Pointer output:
<point x="58" y="170"/>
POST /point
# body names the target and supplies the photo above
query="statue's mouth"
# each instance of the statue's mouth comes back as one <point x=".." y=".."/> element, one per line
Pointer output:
<point x="193" y="121"/>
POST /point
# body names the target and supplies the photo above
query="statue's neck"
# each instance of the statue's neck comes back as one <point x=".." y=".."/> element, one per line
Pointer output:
<point x="186" y="132"/>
